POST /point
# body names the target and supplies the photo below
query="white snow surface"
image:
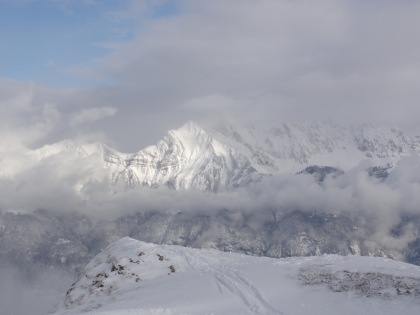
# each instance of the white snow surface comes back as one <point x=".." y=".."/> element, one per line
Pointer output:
<point x="133" y="277"/>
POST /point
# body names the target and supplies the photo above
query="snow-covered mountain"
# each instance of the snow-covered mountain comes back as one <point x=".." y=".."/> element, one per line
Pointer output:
<point x="185" y="158"/>
<point x="291" y="147"/>
<point x="83" y="201"/>
<point x="231" y="155"/>
<point x="132" y="277"/>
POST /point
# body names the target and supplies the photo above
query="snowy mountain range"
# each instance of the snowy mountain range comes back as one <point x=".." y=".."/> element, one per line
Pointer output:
<point x="132" y="277"/>
<point x="231" y="155"/>
<point x="64" y="203"/>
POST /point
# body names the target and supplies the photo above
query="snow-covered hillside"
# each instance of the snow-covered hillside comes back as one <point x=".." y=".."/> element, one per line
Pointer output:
<point x="132" y="277"/>
<point x="231" y="155"/>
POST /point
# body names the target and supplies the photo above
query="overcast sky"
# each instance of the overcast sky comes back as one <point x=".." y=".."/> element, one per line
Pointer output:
<point x="125" y="72"/>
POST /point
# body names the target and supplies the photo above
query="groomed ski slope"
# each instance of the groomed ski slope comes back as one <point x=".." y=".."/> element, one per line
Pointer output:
<point x="133" y="277"/>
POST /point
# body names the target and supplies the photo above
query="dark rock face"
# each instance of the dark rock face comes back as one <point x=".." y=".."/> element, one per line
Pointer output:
<point x="412" y="223"/>
<point x="321" y="172"/>
<point x="40" y="239"/>
<point x="366" y="284"/>
<point x="380" y="172"/>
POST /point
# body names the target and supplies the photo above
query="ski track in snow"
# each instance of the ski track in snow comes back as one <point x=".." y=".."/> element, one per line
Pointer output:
<point x="237" y="284"/>
<point x="247" y="292"/>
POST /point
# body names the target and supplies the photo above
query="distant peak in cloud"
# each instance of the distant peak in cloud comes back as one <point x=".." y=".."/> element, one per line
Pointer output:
<point x="190" y="127"/>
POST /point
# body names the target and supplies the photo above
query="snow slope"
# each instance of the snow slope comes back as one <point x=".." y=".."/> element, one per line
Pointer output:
<point x="132" y="277"/>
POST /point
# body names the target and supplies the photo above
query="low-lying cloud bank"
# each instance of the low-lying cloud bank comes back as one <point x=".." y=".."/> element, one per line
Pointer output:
<point x="65" y="184"/>
<point x="35" y="292"/>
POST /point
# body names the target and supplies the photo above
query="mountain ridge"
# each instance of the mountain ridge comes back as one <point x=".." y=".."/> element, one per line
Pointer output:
<point x="231" y="155"/>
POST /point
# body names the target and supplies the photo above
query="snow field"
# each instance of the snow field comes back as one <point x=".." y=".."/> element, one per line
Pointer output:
<point x="132" y="277"/>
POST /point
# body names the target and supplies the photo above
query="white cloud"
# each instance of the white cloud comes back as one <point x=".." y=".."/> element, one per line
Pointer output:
<point x="91" y="115"/>
<point x="51" y="186"/>
<point x="345" y="61"/>
<point x="214" y="101"/>
<point x="350" y="61"/>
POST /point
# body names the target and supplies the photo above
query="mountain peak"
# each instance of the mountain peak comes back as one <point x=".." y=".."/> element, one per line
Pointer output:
<point x="191" y="127"/>
<point x="191" y="136"/>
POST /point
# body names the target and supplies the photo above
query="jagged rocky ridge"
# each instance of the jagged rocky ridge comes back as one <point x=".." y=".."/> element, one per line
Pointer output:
<point x="230" y="155"/>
